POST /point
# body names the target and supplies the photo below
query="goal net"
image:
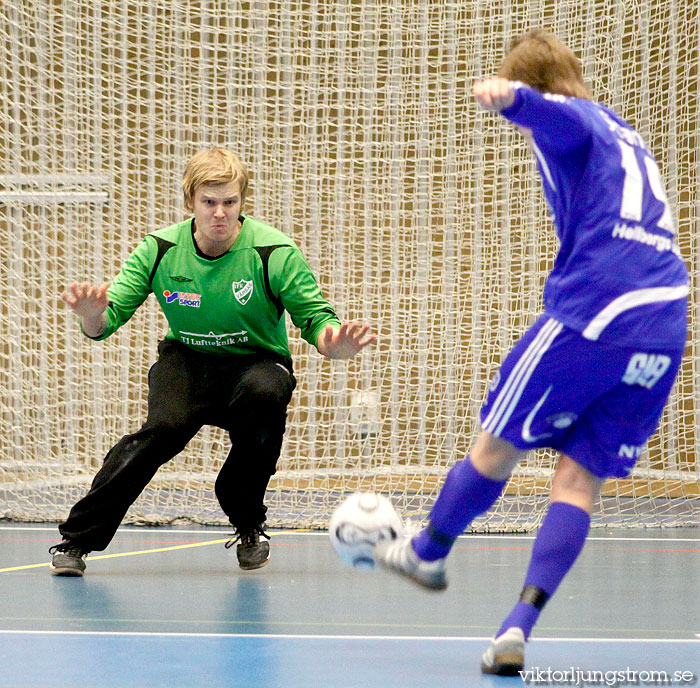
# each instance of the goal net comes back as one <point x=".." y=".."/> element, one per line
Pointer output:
<point x="419" y="213"/>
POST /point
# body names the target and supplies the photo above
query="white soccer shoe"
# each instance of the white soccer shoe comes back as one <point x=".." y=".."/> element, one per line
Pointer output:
<point x="399" y="556"/>
<point x="506" y="654"/>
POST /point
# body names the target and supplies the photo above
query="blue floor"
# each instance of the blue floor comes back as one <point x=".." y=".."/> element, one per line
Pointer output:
<point x="156" y="611"/>
<point x="194" y="661"/>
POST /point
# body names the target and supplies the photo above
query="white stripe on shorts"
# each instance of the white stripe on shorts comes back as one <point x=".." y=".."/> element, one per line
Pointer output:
<point x="505" y="393"/>
<point x="513" y="388"/>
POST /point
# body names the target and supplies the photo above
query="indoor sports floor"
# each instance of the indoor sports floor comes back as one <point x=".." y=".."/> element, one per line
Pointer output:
<point x="168" y="607"/>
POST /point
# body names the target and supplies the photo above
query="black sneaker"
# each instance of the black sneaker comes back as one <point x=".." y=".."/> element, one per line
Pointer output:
<point x="68" y="559"/>
<point x="252" y="552"/>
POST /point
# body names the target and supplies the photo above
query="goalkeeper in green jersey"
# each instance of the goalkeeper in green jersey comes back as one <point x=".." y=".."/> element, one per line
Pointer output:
<point x="224" y="281"/>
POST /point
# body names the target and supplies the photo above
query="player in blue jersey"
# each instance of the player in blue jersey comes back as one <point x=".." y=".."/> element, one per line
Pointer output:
<point x="591" y="377"/>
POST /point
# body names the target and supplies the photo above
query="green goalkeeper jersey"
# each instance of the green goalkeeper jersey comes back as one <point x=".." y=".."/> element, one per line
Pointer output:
<point x="232" y="304"/>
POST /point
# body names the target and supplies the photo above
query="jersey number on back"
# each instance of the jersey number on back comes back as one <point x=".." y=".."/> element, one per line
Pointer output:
<point x="633" y="188"/>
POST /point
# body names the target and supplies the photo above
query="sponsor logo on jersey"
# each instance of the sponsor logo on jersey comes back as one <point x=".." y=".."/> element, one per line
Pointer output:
<point x="183" y="298"/>
<point x="213" y="339"/>
<point x="622" y="230"/>
<point x="242" y="290"/>
<point x="180" y="278"/>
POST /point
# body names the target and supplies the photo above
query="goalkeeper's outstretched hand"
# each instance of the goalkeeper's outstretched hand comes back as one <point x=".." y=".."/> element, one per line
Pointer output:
<point x="344" y="342"/>
<point x="89" y="303"/>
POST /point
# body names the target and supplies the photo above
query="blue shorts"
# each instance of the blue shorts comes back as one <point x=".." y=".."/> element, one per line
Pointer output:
<point x="595" y="402"/>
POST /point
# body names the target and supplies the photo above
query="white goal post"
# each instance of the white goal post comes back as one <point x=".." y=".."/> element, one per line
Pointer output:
<point x="419" y="213"/>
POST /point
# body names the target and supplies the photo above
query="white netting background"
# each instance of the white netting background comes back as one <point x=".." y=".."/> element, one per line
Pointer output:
<point x="419" y="213"/>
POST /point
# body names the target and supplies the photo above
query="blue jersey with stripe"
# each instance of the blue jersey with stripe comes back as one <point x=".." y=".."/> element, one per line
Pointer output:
<point x="618" y="276"/>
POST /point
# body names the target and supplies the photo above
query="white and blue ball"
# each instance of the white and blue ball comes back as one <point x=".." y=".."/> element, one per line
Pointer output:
<point x="359" y="523"/>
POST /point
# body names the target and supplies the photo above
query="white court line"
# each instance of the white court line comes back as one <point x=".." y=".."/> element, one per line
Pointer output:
<point x="295" y="636"/>
<point x="322" y="533"/>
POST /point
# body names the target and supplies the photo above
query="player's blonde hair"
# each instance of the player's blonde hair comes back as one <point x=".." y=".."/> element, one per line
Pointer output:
<point x="539" y="59"/>
<point x="213" y="166"/>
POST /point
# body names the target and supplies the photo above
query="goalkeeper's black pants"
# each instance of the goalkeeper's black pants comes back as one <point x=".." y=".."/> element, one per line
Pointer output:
<point x="247" y="395"/>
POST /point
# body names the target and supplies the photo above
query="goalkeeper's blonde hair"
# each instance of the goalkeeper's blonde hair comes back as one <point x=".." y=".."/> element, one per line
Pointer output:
<point x="539" y="59"/>
<point x="213" y="166"/>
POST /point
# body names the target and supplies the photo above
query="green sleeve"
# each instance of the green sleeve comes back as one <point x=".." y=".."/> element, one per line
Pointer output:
<point x="130" y="287"/>
<point x="292" y="278"/>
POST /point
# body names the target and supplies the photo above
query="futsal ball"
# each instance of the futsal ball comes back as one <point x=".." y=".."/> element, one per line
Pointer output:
<point x="359" y="523"/>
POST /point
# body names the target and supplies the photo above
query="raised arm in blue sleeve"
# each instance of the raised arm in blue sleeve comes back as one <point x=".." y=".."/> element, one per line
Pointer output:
<point x="558" y="125"/>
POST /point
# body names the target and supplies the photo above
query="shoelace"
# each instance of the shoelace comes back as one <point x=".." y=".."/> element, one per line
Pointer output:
<point x="251" y="536"/>
<point x="67" y="548"/>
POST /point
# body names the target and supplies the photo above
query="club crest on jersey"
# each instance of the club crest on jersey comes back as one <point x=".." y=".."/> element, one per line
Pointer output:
<point x="243" y="290"/>
<point x="183" y="298"/>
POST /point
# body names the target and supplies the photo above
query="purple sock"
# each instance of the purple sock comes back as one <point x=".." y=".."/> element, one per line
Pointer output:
<point x="557" y="545"/>
<point x="465" y="494"/>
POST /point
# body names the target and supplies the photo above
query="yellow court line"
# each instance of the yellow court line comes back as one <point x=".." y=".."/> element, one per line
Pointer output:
<point x="124" y="554"/>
